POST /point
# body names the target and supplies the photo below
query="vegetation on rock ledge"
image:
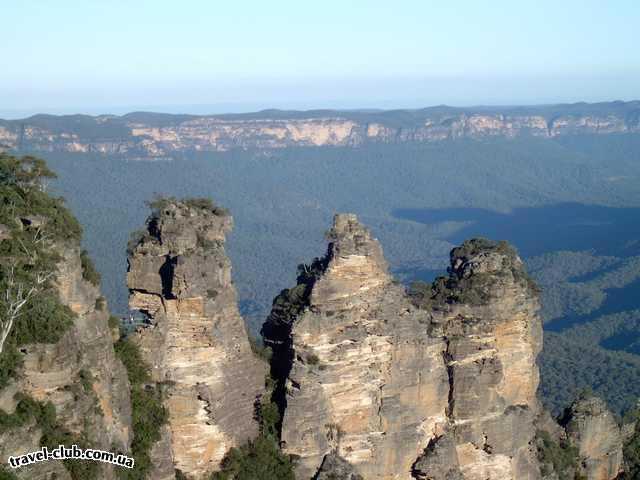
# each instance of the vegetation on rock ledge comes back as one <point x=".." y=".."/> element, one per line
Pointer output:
<point x="33" y="227"/>
<point x="147" y="412"/>
<point x="53" y="434"/>
<point x="259" y="459"/>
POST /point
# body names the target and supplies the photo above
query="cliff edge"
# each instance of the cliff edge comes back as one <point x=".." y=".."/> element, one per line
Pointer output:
<point x="193" y="337"/>
<point x="439" y="384"/>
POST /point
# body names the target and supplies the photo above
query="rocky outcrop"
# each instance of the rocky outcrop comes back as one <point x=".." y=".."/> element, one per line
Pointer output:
<point x="398" y="387"/>
<point x="487" y="312"/>
<point x="594" y="431"/>
<point x="336" y="468"/>
<point x="194" y="340"/>
<point x="160" y="136"/>
<point x="79" y="375"/>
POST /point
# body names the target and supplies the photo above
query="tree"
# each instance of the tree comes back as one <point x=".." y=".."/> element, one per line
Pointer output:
<point x="32" y="224"/>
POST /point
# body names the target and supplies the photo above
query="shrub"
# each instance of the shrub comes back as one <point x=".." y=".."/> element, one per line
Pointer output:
<point x="561" y="458"/>
<point x="632" y="448"/>
<point x="259" y="350"/>
<point x="89" y="272"/>
<point x="44" y="320"/>
<point x="7" y="474"/>
<point x="30" y="253"/>
<point x="10" y="362"/>
<point x="53" y="434"/>
<point x="260" y="459"/>
<point x="101" y="303"/>
<point x="86" y="380"/>
<point x="114" y="322"/>
<point x="147" y="412"/>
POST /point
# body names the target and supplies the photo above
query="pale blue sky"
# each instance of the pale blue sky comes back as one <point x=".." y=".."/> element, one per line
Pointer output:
<point x="117" y="55"/>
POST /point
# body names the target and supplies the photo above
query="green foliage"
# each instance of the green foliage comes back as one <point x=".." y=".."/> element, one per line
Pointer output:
<point x="10" y="362"/>
<point x="260" y="350"/>
<point x="89" y="272"/>
<point x="259" y="459"/>
<point x="6" y="474"/>
<point x="86" y="380"/>
<point x="160" y="203"/>
<point x="53" y="434"/>
<point x="429" y="295"/>
<point x="575" y="359"/>
<point x="44" y="320"/>
<point x="36" y="224"/>
<point x="632" y="448"/>
<point x="147" y="412"/>
<point x="22" y="193"/>
<point x="129" y="354"/>
<point x="101" y="303"/>
<point x="203" y="203"/>
<point x="561" y="458"/>
<point x="114" y="322"/>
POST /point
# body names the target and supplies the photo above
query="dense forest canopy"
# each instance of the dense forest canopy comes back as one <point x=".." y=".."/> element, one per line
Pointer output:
<point x="582" y="188"/>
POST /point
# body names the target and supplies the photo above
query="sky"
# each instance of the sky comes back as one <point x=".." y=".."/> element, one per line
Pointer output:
<point x="207" y="56"/>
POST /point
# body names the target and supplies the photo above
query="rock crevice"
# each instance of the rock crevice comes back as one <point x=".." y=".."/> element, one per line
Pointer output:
<point x="434" y="385"/>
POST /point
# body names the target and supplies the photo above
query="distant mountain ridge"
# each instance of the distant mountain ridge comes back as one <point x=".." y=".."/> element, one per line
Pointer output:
<point x="156" y="135"/>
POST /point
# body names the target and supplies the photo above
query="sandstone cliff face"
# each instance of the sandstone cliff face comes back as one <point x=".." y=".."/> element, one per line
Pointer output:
<point x="139" y="136"/>
<point x="80" y="375"/>
<point x="596" y="434"/>
<point x="397" y="390"/>
<point x="493" y="335"/>
<point x="195" y="340"/>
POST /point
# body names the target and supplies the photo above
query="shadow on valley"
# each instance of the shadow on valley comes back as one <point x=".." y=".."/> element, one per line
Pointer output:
<point x="534" y="231"/>
<point x="537" y="230"/>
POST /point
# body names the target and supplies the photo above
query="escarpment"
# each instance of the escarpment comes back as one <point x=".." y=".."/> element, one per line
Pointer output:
<point x="67" y="365"/>
<point x="141" y="135"/>
<point x="439" y="384"/>
<point x="193" y="338"/>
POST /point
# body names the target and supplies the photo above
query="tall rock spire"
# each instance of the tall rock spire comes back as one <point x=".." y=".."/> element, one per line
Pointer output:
<point x="439" y="384"/>
<point x="195" y="340"/>
<point x="365" y="383"/>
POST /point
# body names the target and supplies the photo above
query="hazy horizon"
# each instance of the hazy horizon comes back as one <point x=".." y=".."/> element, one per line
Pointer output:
<point x="239" y="108"/>
<point x="199" y="57"/>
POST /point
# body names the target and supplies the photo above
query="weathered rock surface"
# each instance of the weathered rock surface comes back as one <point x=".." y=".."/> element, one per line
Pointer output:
<point x="336" y="468"/>
<point x="157" y="135"/>
<point x="487" y="312"/>
<point x="79" y="375"/>
<point x="593" y="429"/>
<point x="440" y="389"/>
<point x="195" y="340"/>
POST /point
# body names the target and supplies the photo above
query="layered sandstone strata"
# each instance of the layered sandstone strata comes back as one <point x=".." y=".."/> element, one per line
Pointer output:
<point x="80" y="375"/>
<point x="195" y="339"/>
<point x="443" y="387"/>
<point x="160" y="136"/>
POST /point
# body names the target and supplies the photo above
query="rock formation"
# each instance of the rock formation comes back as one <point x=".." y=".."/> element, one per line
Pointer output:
<point x="487" y="314"/>
<point x="594" y="431"/>
<point x="143" y="135"/>
<point x="79" y="375"/>
<point x="441" y="387"/>
<point x="195" y="340"/>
